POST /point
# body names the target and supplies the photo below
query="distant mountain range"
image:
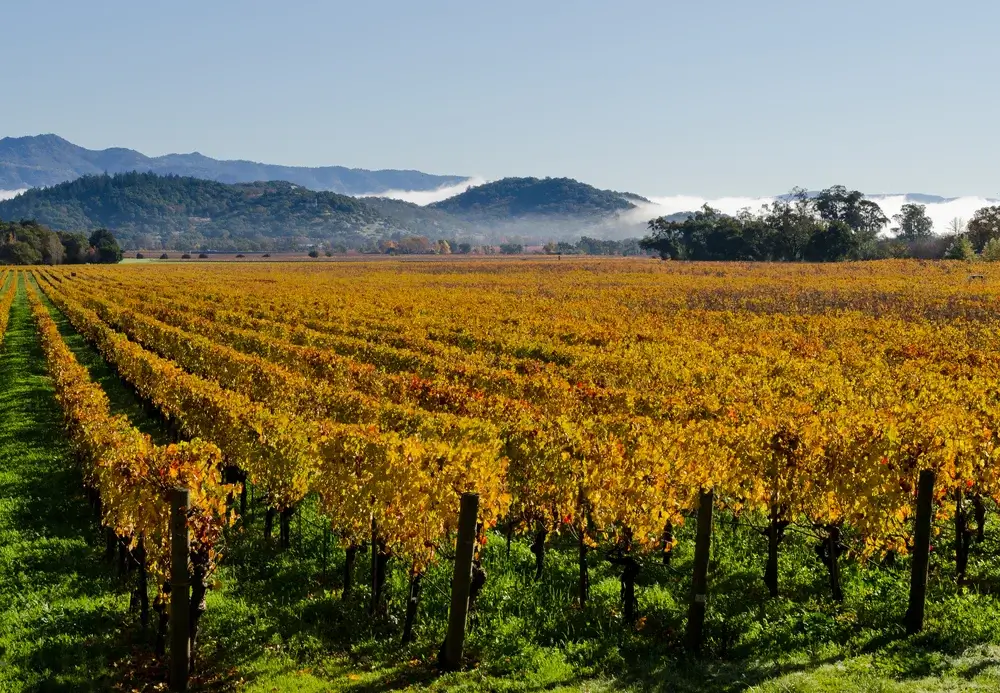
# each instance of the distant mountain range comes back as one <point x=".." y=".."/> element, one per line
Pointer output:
<point x="915" y="198"/>
<point x="146" y="210"/>
<point x="44" y="160"/>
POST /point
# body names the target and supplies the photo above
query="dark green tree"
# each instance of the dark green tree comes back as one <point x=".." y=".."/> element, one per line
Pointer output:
<point x="912" y="222"/>
<point x="832" y="242"/>
<point x="983" y="227"/>
<point x="52" y="250"/>
<point x="76" y="245"/>
<point x="681" y="240"/>
<point x="850" y="206"/>
<point x="793" y="223"/>
<point x="20" y="253"/>
<point x="865" y="218"/>
<point x="960" y="249"/>
<point x="107" y="248"/>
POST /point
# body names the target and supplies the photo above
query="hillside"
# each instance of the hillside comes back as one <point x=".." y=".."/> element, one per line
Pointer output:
<point x="425" y="221"/>
<point x="521" y="198"/>
<point x="44" y="160"/>
<point x="146" y="210"/>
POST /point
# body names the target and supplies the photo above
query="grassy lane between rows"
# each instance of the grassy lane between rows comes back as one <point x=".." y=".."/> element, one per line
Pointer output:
<point x="62" y="615"/>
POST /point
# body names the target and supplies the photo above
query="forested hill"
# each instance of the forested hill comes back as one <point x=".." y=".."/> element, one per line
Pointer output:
<point x="519" y="198"/>
<point x="146" y="210"/>
<point x="421" y="220"/>
<point x="43" y="160"/>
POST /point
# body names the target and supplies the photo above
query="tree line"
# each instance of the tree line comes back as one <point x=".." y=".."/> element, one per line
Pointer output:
<point x="422" y="245"/>
<point x="829" y="226"/>
<point x="29" y="243"/>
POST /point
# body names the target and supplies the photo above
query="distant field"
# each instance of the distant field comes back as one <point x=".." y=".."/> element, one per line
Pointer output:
<point x="154" y="256"/>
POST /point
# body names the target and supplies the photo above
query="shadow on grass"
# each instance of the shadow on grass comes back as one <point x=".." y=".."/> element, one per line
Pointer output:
<point x="527" y="636"/>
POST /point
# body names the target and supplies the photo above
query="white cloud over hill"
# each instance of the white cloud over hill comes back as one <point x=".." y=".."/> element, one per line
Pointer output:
<point x="426" y="197"/>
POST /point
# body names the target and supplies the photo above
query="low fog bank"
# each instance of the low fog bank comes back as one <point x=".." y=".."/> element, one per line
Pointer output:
<point x="8" y="194"/>
<point x="537" y="231"/>
<point x="427" y="197"/>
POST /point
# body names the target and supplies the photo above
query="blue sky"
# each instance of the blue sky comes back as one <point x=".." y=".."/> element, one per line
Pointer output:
<point x="663" y="98"/>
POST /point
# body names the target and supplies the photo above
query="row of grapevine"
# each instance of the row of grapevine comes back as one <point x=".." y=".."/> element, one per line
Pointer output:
<point x="8" y="289"/>
<point x="130" y="478"/>
<point x="362" y="474"/>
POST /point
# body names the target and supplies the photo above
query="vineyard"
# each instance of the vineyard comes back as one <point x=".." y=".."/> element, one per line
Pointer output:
<point x="702" y="472"/>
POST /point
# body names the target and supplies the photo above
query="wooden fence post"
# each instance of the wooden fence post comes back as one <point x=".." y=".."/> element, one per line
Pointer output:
<point x="374" y="562"/>
<point x="180" y="650"/>
<point x="699" y="588"/>
<point x="921" y="552"/>
<point x="380" y="560"/>
<point x="326" y="541"/>
<point x="461" y="584"/>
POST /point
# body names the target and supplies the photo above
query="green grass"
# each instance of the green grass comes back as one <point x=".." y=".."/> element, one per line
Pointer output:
<point x="62" y="618"/>
<point x="278" y="623"/>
